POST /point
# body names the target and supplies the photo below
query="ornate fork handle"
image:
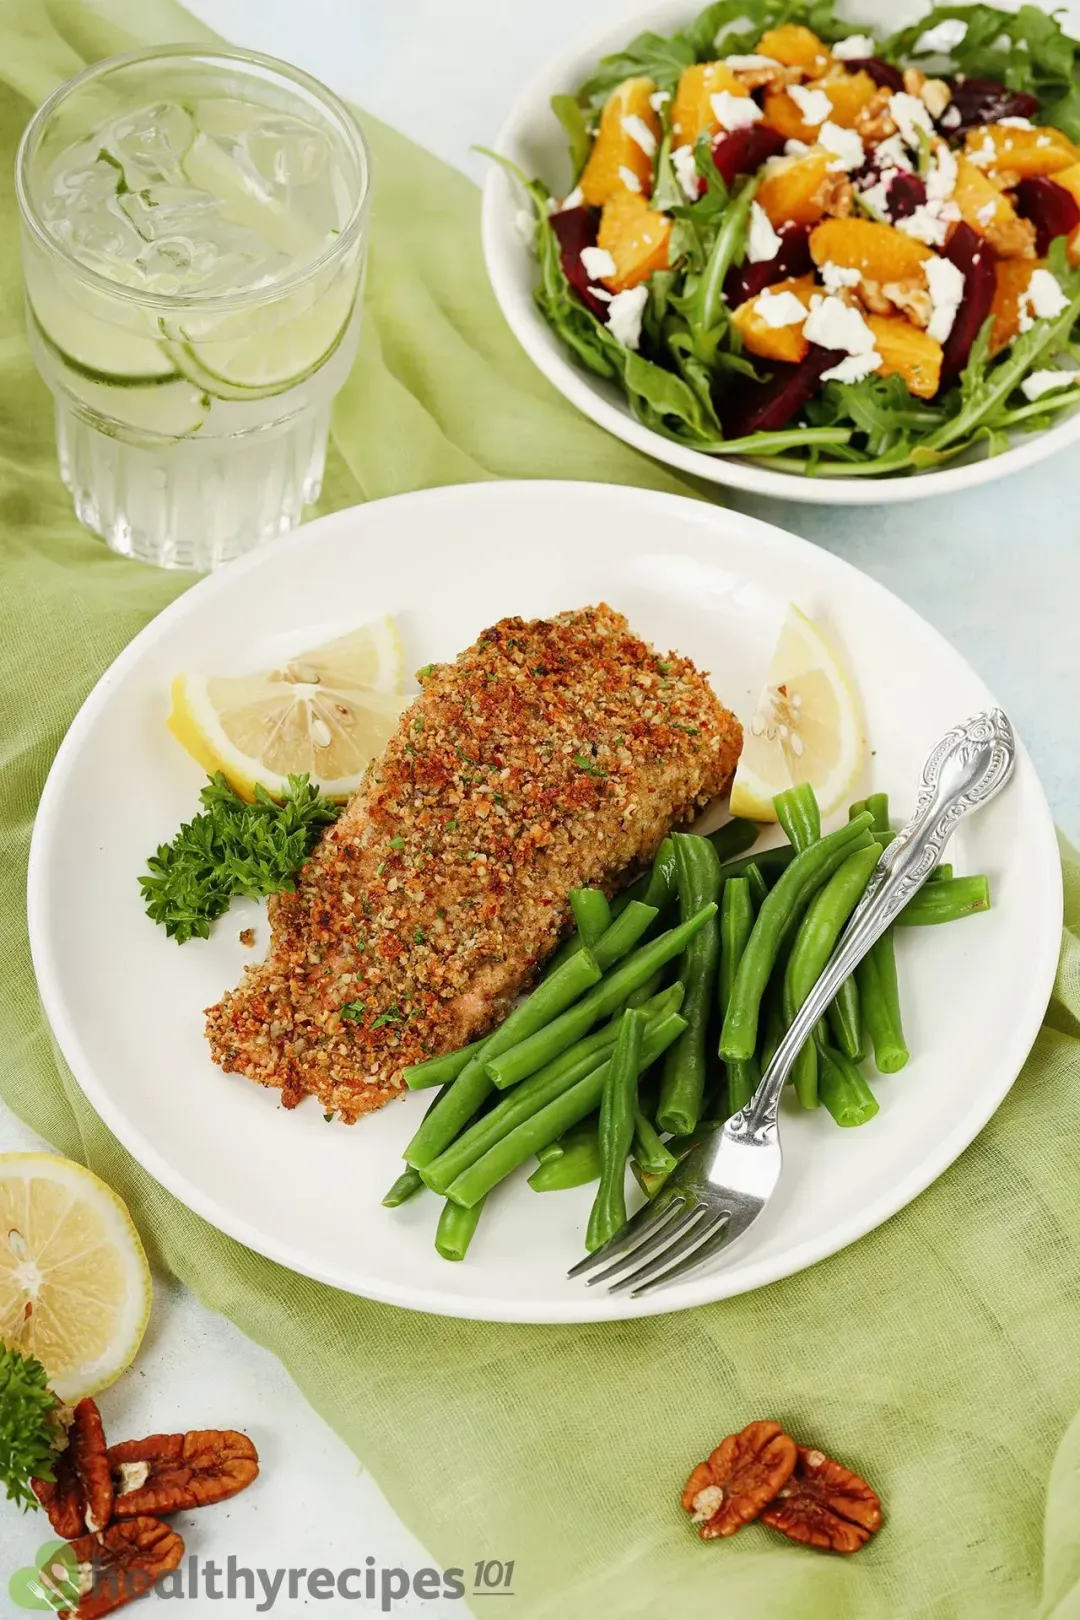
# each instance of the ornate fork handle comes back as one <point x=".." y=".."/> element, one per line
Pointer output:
<point x="967" y="768"/>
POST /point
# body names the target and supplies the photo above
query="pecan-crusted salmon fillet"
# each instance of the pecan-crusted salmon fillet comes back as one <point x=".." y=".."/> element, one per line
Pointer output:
<point x="552" y="754"/>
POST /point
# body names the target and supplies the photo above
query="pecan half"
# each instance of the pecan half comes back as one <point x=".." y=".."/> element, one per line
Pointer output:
<point x="120" y="1564"/>
<point x="743" y="1474"/>
<point x="874" y="121"/>
<point x="168" y="1472"/>
<point x="824" y="1505"/>
<point x="81" y="1496"/>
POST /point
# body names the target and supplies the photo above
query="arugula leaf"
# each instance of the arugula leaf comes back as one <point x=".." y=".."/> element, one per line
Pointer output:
<point x="232" y="847"/>
<point x="572" y="119"/>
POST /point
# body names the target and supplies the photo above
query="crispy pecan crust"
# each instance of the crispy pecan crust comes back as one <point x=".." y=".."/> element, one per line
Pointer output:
<point x="184" y="1470"/>
<point x="125" y="1560"/>
<point x="740" y="1477"/>
<point x="824" y="1504"/>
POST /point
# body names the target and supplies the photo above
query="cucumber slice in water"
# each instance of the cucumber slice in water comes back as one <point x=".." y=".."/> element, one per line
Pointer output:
<point x="86" y="337"/>
<point x="168" y="409"/>
<point x="209" y="167"/>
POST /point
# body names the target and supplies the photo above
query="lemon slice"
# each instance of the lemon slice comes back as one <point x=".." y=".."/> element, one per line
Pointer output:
<point x="328" y="712"/>
<point x="806" y="727"/>
<point x="74" y="1282"/>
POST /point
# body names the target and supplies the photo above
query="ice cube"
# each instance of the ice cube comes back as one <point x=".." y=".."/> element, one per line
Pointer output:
<point x="151" y="143"/>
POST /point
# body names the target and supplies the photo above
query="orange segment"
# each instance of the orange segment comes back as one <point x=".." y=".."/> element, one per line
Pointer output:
<point x="691" y="111"/>
<point x="1012" y="277"/>
<point x="616" y="150"/>
<point x="636" y="237"/>
<point x="1001" y="149"/>
<point x="1070" y="179"/>
<point x="774" y="342"/>
<point x="793" y="191"/>
<point x="795" y="46"/>
<point x="880" y="252"/>
<point x="908" y="352"/>
<point x="848" y="94"/>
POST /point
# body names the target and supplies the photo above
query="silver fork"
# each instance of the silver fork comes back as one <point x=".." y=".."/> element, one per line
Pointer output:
<point x="716" y="1194"/>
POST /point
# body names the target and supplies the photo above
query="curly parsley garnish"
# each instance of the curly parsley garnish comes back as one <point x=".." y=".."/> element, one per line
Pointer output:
<point x="232" y="848"/>
<point x="29" y="1431"/>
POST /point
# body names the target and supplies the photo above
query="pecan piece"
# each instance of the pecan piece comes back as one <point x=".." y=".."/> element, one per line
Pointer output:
<point x="81" y="1496"/>
<point x="743" y="1474"/>
<point x="119" y="1564"/>
<point x="168" y="1472"/>
<point x="875" y="122"/>
<point x="824" y="1505"/>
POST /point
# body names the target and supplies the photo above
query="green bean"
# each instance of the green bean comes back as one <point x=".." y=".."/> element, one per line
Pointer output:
<point x="556" y="1117"/>
<point x="878" y="806"/>
<point x="736" y="925"/>
<point x="845" y="1020"/>
<point x="941" y="873"/>
<point x="880" y="998"/>
<point x="755" y="877"/>
<point x="857" y="809"/>
<point x="776" y="921"/>
<point x="799" y="814"/>
<point x="734" y="837"/>
<point x="591" y="913"/>
<point x="551" y="1150"/>
<point x="645" y="992"/>
<point x="843" y="1090"/>
<point x="577" y="1166"/>
<point x="743" y="1079"/>
<point x="624" y="933"/>
<point x="661" y="882"/>
<point x="473" y="1085"/>
<point x="536" y="1050"/>
<point x="616" y="1132"/>
<point x="437" y="1071"/>
<point x="556" y="1077"/>
<point x="682" y="1085"/>
<point x="772" y="1024"/>
<point x="649" y="1151"/>
<point x="407" y="1183"/>
<point x="555" y="1150"/>
<point x="814" y="944"/>
<point x="649" y="1181"/>
<point x="770" y="863"/>
<point x="455" y="1229"/>
<point x="946" y="901"/>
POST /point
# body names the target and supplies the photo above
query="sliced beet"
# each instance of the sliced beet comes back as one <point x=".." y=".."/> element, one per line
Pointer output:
<point x="984" y="101"/>
<point x="576" y="228"/>
<point x="769" y="406"/>
<point x="884" y="75"/>
<point x="746" y="280"/>
<point x="1052" y="210"/>
<point x="906" y="193"/>
<point x="971" y="255"/>
<point x="741" y="151"/>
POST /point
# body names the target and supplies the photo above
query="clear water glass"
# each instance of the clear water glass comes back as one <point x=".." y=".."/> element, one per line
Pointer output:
<point x="193" y="242"/>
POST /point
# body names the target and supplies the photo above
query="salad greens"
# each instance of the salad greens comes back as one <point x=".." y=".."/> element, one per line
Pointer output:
<point x="691" y="355"/>
<point x="30" y="1431"/>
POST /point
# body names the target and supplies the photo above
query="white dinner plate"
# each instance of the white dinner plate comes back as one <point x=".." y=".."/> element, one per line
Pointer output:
<point x="534" y="139"/>
<point x="126" y="1002"/>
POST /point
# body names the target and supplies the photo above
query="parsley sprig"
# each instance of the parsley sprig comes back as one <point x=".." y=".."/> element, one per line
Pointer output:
<point x="232" y="848"/>
<point x="28" y="1425"/>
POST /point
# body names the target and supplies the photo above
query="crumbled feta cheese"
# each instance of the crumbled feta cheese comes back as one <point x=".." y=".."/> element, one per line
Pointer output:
<point x="629" y="178"/>
<point x="814" y="105"/>
<point x="854" y="47"/>
<point x="1015" y="123"/>
<point x="910" y="116"/>
<point x="682" y="161"/>
<point x="944" y="38"/>
<point x="624" y="315"/>
<point x="734" y="112"/>
<point x="854" y="368"/>
<point x="794" y="148"/>
<point x="598" y="263"/>
<point x="762" y="241"/>
<point x="876" y="197"/>
<point x="1042" y="300"/>
<point x="640" y="133"/>
<point x="925" y="224"/>
<point x="838" y="276"/>
<point x="894" y="153"/>
<point x="982" y="156"/>
<point x="846" y="146"/>
<point x="603" y="294"/>
<point x="836" y="325"/>
<point x="941" y="181"/>
<point x="950" y="118"/>
<point x="659" y="100"/>
<point x="946" y="286"/>
<point x="1047" y="382"/>
<point x="525" y="226"/>
<point x="779" y="309"/>
<point x="986" y="213"/>
<point x="747" y="64"/>
<point x="573" y="199"/>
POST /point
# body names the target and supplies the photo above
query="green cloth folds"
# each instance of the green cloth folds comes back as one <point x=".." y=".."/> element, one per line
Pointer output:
<point x="938" y="1356"/>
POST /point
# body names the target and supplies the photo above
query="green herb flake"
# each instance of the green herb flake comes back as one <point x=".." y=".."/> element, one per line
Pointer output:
<point x="353" y="1011"/>
<point x="419" y="937"/>
<point x="425" y="670"/>
<point x="589" y="766"/>
<point x="328" y="1118"/>
<point x="397" y="843"/>
<point x="392" y="1015"/>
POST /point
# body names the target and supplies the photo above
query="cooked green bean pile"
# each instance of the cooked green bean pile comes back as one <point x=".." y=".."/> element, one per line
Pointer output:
<point x="659" y="1014"/>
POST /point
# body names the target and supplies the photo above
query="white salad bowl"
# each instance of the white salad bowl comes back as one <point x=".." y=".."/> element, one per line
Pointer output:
<point x="533" y="139"/>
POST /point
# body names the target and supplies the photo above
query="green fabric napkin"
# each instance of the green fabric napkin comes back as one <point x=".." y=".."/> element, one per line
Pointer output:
<point x="937" y="1356"/>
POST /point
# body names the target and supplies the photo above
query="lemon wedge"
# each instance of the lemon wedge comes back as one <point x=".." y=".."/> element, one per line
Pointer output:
<point x="74" y="1282"/>
<point x="327" y="712"/>
<point x="806" y="727"/>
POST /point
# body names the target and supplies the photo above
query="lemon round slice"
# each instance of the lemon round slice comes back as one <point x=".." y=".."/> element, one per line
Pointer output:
<point x="806" y="727"/>
<point x="74" y="1282"/>
<point x="327" y="712"/>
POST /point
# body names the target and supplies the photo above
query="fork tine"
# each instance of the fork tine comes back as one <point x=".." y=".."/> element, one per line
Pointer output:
<point x="719" y="1239"/>
<point x="688" y="1236"/>
<point x="638" y="1226"/>
<point x="659" y="1239"/>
